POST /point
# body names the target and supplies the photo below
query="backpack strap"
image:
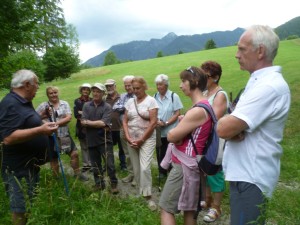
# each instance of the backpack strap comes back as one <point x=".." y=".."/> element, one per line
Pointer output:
<point x="172" y="96"/>
<point x="212" y="115"/>
<point x="209" y="109"/>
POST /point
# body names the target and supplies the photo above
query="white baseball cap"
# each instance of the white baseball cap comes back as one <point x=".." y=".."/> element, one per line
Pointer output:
<point x="87" y="85"/>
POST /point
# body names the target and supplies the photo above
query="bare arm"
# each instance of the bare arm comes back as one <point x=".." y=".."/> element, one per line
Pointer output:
<point x="192" y="119"/>
<point x="171" y="120"/>
<point x="174" y="118"/>
<point x="220" y="105"/>
<point x="231" y="128"/>
<point x="23" y="135"/>
<point x="64" y="121"/>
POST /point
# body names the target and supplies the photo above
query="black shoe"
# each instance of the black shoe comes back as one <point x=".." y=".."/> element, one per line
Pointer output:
<point x="99" y="187"/>
<point x="114" y="190"/>
<point x="123" y="168"/>
<point x="85" y="169"/>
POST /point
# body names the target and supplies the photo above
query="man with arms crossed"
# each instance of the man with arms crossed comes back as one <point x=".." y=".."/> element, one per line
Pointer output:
<point x="254" y="129"/>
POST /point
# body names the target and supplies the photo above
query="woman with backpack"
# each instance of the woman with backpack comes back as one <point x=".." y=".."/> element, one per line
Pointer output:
<point x="181" y="189"/>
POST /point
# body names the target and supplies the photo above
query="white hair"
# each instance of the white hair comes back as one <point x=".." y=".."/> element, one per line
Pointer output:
<point x="128" y="78"/>
<point x="162" y="78"/>
<point x="19" y="78"/>
<point x="264" y="35"/>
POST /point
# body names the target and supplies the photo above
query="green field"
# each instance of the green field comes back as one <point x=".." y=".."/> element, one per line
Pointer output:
<point x="85" y="207"/>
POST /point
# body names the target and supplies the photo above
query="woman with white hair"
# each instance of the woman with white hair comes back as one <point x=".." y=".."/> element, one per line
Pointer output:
<point x="169" y="110"/>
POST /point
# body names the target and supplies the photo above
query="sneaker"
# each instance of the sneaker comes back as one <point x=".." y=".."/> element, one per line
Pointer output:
<point x="133" y="183"/>
<point x="128" y="179"/>
<point x="152" y="205"/>
<point x="212" y="215"/>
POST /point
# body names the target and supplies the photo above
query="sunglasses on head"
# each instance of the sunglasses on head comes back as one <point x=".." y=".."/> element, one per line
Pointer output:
<point x="190" y="70"/>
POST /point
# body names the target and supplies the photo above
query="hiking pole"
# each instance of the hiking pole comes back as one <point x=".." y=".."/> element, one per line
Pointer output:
<point x="60" y="164"/>
<point x="1" y="155"/>
<point x="159" y="187"/>
<point x="56" y="147"/>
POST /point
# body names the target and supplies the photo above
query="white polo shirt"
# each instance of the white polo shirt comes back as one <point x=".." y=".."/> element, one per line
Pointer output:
<point x="264" y="106"/>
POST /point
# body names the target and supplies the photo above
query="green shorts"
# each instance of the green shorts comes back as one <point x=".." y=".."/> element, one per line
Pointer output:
<point x="171" y="192"/>
<point x="216" y="182"/>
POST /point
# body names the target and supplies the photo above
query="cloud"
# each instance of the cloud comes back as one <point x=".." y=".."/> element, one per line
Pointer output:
<point x="103" y="23"/>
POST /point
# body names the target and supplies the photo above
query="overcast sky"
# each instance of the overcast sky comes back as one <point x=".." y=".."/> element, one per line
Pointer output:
<point x="103" y="23"/>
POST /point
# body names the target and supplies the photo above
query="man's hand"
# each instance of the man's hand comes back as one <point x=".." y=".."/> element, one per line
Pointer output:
<point x="239" y="137"/>
<point x="49" y="128"/>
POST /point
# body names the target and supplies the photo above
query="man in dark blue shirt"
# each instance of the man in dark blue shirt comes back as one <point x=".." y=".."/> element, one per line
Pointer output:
<point x="24" y="140"/>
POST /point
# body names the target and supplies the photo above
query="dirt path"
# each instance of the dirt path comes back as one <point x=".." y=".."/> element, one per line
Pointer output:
<point x="126" y="190"/>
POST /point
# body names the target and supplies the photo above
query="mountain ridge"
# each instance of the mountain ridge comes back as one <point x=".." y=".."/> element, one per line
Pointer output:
<point x="172" y="44"/>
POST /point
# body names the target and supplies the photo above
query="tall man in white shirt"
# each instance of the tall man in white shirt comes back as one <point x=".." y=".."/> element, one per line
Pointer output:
<point x="252" y="155"/>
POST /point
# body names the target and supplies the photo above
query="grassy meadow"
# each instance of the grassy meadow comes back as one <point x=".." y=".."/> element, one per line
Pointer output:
<point x="52" y="206"/>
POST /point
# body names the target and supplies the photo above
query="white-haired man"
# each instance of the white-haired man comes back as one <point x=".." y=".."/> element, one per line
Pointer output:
<point x="24" y="140"/>
<point x="254" y="129"/>
<point x="120" y="107"/>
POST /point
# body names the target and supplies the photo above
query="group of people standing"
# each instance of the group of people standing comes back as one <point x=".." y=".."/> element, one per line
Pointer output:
<point x="140" y="124"/>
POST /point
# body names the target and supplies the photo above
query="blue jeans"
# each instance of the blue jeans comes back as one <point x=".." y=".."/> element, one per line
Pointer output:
<point x="16" y="190"/>
<point x="247" y="204"/>
<point x="96" y="155"/>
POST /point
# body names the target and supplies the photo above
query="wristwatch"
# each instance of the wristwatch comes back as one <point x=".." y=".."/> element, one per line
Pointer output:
<point x="167" y="123"/>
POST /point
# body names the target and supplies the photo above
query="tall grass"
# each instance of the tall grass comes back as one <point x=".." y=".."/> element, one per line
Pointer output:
<point x="52" y="206"/>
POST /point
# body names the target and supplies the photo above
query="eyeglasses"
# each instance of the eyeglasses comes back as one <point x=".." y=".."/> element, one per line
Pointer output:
<point x="190" y="70"/>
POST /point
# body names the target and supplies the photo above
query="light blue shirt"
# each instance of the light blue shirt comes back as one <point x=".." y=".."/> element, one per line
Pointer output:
<point x="166" y="110"/>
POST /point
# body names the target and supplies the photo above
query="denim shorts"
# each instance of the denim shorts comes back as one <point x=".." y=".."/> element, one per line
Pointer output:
<point x="17" y="184"/>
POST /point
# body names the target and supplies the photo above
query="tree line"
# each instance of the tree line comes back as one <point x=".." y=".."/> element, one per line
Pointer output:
<point x="34" y="35"/>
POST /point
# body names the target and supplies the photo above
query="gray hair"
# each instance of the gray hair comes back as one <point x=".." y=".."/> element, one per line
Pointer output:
<point x="19" y="78"/>
<point x="162" y="78"/>
<point x="264" y="35"/>
<point x="128" y="77"/>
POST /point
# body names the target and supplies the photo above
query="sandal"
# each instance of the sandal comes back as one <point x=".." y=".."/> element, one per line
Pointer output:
<point x="212" y="215"/>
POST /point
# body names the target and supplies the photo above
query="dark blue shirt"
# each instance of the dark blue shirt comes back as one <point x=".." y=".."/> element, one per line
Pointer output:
<point x="17" y="113"/>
